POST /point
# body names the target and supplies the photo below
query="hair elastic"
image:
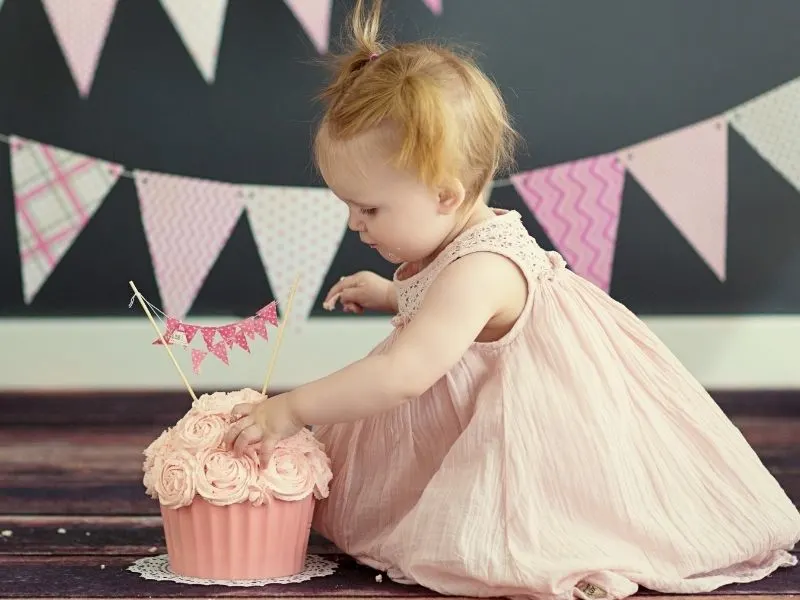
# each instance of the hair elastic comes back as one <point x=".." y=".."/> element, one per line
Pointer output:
<point x="373" y="56"/>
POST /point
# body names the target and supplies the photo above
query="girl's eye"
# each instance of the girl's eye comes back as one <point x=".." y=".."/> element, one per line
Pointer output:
<point x="369" y="211"/>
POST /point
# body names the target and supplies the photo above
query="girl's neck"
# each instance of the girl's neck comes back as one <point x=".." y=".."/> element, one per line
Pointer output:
<point x="479" y="213"/>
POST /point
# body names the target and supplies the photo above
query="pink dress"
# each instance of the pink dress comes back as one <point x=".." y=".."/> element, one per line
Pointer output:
<point x="575" y="457"/>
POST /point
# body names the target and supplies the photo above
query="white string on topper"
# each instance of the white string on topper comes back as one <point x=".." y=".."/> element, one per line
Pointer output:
<point x="218" y="339"/>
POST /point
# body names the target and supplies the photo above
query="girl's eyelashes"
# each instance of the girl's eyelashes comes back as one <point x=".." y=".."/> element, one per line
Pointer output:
<point x="369" y="211"/>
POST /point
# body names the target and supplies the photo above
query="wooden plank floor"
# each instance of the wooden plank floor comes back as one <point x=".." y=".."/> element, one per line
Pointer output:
<point x="74" y="516"/>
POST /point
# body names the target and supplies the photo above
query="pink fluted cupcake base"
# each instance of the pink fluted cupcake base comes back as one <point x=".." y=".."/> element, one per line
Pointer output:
<point x="240" y="541"/>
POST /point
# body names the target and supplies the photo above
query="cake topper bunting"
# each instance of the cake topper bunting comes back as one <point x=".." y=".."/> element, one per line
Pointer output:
<point x="218" y="340"/>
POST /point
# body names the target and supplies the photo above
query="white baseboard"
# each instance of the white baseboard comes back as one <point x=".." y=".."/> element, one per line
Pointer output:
<point x="65" y="354"/>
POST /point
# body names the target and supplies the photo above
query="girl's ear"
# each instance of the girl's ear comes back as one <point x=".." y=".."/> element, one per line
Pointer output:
<point x="451" y="197"/>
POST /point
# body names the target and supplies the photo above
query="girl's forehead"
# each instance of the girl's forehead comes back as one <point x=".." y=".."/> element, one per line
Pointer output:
<point x="355" y="162"/>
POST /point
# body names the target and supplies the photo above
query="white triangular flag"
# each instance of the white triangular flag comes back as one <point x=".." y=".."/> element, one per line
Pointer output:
<point x="81" y="27"/>
<point x="771" y="125"/>
<point x="298" y="232"/>
<point x="56" y="193"/>
<point x="315" y="18"/>
<point x="200" y="24"/>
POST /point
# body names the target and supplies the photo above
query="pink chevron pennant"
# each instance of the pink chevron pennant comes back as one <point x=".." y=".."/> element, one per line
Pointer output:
<point x="81" y="27"/>
<point x="315" y="18"/>
<point x="187" y="222"/>
<point x="685" y="172"/>
<point x="578" y="205"/>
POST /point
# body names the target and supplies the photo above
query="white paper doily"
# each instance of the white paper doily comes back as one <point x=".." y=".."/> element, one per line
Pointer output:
<point x="156" y="568"/>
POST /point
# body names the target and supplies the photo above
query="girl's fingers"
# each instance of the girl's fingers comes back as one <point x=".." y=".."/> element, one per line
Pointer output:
<point x="235" y="429"/>
<point x="251" y="435"/>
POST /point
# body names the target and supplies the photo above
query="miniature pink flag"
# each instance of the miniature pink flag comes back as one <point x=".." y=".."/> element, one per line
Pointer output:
<point x="434" y="5"/>
<point x="228" y="333"/>
<point x="248" y="328"/>
<point x="197" y="359"/>
<point x="208" y="333"/>
<point x="200" y="24"/>
<point x="685" y="172"/>
<point x="56" y="194"/>
<point x="81" y="27"/>
<point x="241" y="340"/>
<point x="578" y="205"/>
<point x="260" y="327"/>
<point x="189" y="330"/>
<point x="187" y="222"/>
<point x="297" y="232"/>
<point x="315" y="18"/>
<point x="270" y="313"/>
<point x="220" y="351"/>
<point x="771" y="125"/>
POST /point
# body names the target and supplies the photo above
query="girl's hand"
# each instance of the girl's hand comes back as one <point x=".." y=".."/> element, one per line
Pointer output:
<point x="362" y="291"/>
<point x="265" y="423"/>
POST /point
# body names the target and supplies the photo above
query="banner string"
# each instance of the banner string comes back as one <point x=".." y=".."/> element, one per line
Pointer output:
<point x="497" y="183"/>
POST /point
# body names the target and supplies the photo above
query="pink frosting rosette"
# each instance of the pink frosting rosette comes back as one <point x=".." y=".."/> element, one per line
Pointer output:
<point x="298" y="466"/>
<point x="173" y="478"/>
<point x="198" y="431"/>
<point x="223" y="478"/>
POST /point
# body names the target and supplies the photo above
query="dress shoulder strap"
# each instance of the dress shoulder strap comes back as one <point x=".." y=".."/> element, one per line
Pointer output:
<point x="504" y="235"/>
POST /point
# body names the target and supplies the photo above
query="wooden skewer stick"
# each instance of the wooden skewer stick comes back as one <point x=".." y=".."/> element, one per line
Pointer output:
<point x="163" y="341"/>
<point x="281" y="329"/>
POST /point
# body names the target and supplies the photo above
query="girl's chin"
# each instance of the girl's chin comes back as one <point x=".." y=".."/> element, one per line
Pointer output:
<point x="392" y="258"/>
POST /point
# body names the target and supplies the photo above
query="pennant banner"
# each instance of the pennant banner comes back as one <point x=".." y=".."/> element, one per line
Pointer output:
<point x="81" y="27"/>
<point x="434" y="5"/>
<point x="56" y="193"/>
<point x="187" y="222"/>
<point x="771" y="125"/>
<point x="199" y="24"/>
<point x="686" y="174"/>
<point x="315" y="18"/>
<point x="298" y="232"/>
<point x="179" y="333"/>
<point x="578" y="206"/>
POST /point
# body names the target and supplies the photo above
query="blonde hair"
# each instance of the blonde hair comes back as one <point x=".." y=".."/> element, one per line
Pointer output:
<point x="449" y="118"/>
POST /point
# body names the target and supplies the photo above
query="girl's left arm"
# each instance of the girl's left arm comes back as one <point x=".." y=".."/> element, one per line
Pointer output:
<point x="456" y="308"/>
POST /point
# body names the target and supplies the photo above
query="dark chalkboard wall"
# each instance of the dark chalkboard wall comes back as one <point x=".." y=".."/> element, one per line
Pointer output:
<point x="581" y="78"/>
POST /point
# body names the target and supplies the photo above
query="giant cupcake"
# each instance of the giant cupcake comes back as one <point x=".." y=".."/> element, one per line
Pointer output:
<point x="226" y="517"/>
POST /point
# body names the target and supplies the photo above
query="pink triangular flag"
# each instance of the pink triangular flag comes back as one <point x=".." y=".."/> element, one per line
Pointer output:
<point x="228" y="333"/>
<point x="241" y="340"/>
<point x="434" y="5"/>
<point x="685" y="172"/>
<point x="578" y="206"/>
<point x="81" y="27"/>
<point x="315" y="18"/>
<point x="56" y="194"/>
<point x="197" y="359"/>
<point x="248" y="327"/>
<point x="187" y="222"/>
<point x="270" y="313"/>
<point x="220" y="351"/>
<point x="189" y="330"/>
<point x="208" y="333"/>
<point x="260" y="327"/>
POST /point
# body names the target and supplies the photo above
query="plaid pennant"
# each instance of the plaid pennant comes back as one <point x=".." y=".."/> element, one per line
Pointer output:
<point x="56" y="193"/>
